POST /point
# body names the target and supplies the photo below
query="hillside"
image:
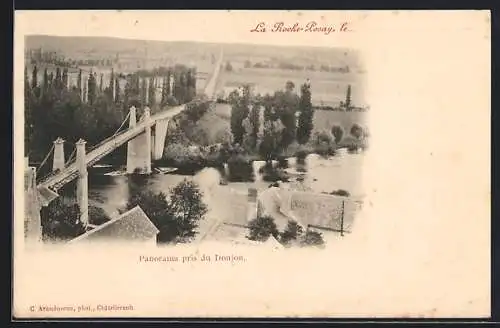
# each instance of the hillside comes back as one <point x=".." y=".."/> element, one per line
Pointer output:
<point x="85" y="47"/>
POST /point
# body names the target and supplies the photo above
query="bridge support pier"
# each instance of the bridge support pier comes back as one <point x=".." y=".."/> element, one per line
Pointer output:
<point x="139" y="148"/>
<point x="159" y="138"/>
<point x="82" y="193"/>
<point x="58" y="163"/>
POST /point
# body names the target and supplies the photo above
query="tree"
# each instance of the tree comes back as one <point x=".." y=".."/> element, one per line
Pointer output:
<point x="268" y="147"/>
<point x="338" y="133"/>
<point x="254" y="120"/>
<point x="357" y="131"/>
<point x="305" y="124"/>
<point x="292" y="232"/>
<point x="101" y="83"/>
<point x="117" y="91"/>
<point x="85" y="93"/>
<point x="261" y="228"/>
<point x="61" y="220"/>
<point x="285" y="105"/>
<point x="164" y="93"/>
<point x="239" y="111"/>
<point x="97" y="215"/>
<point x="79" y="82"/>
<point x="348" y="98"/>
<point x="151" y="92"/>
<point x="187" y="207"/>
<point x="45" y="85"/>
<point x="228" y="67"/>
<point x="143" y="90"/>
<point x="91" y="88"/>
<point x="111" y="83"/>
<point x="58" y="82"/>
<point x="34" y="78"/>
<point x="177" y="217"/>
<point x="155" y="205"/>
<point x="65" y="78"/>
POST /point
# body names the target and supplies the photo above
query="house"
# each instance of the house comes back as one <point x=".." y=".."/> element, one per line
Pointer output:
<point x="131" y="226"/>
<point x="309" y="209"/>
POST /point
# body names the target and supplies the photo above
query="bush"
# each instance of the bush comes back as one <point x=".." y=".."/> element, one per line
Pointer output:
<point x="338" y="133"/>
<point x="273" y="174"/>
<point x="340" y="192"/>
<point x="261" y="228"/>
<point x="172" y="101"/>
<point x="240" y="169"/>
<point x="313" y="238"/>
<point x="357" y="131"/>
<point x="97" y="215"/>
<point x="323" y="144"/>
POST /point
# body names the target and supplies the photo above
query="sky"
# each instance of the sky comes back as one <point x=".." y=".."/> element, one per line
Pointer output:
<point x="208" y="26"/>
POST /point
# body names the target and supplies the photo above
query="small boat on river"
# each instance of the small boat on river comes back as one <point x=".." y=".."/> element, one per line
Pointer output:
<point x="115" y="173"/>
<point x="165" y="170"/>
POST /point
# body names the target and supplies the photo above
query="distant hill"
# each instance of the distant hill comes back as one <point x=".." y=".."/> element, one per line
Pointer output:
<point x="87" y="47"/>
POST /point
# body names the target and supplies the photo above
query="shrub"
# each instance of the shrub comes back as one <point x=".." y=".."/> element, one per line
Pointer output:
<point x="340" y="192"/>
<point x="261" y="228"/>
<point x="338" y="133"/>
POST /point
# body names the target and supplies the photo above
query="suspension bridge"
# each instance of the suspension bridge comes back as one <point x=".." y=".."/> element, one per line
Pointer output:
<point x="145" y="138"/>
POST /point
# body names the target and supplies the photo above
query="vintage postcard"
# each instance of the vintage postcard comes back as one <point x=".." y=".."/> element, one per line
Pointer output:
<point x="251" y="164"/>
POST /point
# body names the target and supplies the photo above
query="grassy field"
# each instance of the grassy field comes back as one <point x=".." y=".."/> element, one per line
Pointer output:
<point x="326" y="88"/>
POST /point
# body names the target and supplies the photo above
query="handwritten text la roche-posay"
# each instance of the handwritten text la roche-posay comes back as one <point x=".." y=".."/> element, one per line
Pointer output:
<point x="311" y="26"/>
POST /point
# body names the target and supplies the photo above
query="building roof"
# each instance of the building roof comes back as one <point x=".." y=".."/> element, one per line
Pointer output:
<point x="309" y="209"/>
<point x="45" y="195"/>
<point x="133" y="225"/>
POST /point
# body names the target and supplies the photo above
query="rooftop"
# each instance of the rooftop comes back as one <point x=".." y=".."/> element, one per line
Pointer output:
<point x="133" y="225"/>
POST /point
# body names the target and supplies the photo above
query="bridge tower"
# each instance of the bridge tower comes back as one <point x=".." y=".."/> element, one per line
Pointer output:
<point x="58" y="163"/>
<point x="139" y="148"/>
<point x="82" y="193"/>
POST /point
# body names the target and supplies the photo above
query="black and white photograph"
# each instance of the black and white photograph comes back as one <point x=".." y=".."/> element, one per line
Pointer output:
<point x="179" y="142"/>
<point x="251" y="164"/>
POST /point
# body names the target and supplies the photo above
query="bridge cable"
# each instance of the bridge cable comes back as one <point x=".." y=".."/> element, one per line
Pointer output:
<point x="124" y="120"/>
<point x="70" y="157"/>
<point x="46" y="157"/>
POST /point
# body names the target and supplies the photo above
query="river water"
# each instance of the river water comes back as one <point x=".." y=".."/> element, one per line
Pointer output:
<point x="226" y="202"/>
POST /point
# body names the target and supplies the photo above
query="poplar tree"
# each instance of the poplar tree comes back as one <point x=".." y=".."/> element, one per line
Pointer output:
<point x="112" y="84"/>
<point x="305" y="124"/>
<point x="58" y="81"/>
<point x="65" y="78"/>
<point x="164" y="91"/>
<point x="100" y="83"/>
<point x="117" y="91"/>
<point x="348" y="98"/>
<point x="151" y="91"/>
<point x="34" y="78"/>
<point x="79" y="82"/>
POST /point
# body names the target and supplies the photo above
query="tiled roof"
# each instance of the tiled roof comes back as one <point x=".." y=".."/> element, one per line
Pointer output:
<point x="133" y="225"/>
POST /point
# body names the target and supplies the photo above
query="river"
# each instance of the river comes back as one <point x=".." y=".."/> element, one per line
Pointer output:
<point x="227" y="202"/>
